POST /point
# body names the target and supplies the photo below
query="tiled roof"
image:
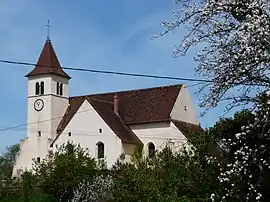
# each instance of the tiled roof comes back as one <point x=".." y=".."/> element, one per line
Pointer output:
<point x="135" y="106"/>
<point x="48" y="63"/>
<point x="114" y="122"/>
<point x="187" y="128"/>
<point x="144" y="105"/>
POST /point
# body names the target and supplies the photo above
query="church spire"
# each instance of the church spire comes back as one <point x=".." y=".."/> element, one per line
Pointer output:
<point x="48" y="30"/>
<point x="48" y="63"/>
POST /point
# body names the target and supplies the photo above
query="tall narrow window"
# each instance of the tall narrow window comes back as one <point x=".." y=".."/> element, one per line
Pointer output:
<point x="61" y="89"/>
<point x="151" y="150"/>
<point x="39" y="133"/>
<point x="37" y="88"/>
<point x="57" y="88"/>
<point x="38" y="159"/>
<point x="41" y="87"/>
<point x="100" y="150"/>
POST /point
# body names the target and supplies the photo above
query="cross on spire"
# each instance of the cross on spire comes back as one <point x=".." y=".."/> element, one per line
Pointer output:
<point x="48" y="30"/>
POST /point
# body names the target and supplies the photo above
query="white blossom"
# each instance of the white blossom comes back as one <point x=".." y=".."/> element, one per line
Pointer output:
<point x="92" y="191"/>
<point x="234" y="38"/>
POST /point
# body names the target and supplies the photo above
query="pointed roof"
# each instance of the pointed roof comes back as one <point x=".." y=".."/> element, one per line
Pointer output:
<point x="48" y="63"/>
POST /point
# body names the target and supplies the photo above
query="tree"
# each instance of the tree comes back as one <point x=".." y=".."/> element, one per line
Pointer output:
<point x="7" y="161"/>
<point x="226" y="128"/>
<point x="61" y="174"/>
<point x="245" y="172"/>
<point x="234" y="38"/>
<point x="169" y="176"/>
<point x="96" y="190"/>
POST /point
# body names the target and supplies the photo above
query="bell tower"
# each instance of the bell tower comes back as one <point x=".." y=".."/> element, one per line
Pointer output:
<point x="48" y="99"/>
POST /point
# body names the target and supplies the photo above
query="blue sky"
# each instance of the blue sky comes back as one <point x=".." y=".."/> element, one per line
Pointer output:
<point x="111" y="35"/>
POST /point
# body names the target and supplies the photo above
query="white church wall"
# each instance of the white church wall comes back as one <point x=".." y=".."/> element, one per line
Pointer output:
<point x="36" y="119"/>
<point x="58" y="109"/>
<point x="59" y="103"/>
<point x="62" y="80"/>
<point x="32" y="84"/>
<point x="54" y="105"/>
<point x="85" y="130"/>
<point x="42" y="124"/>
<point x="128" y="150"/>
<point x="31" y="149"/>
<point x="159" y="134"/>
<point x="22" y="158"/>
<point x="183" y="108"/>
<point x="25" y="157"/>
<point x="39" y="126"/>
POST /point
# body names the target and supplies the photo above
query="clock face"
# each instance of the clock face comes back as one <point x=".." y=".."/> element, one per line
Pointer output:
<point x="38" y="105"/>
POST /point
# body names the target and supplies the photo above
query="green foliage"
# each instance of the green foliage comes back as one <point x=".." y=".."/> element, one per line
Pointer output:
<point x="38" y="198"/>
<point x="7" y="161"/>
<point x="169" y="176"/>
<point x="228" y="127"/>
<point x="11" y="189"/>
<point x="60" y="175"/>
<point x="191" y="175"/>
<point x="246" y="172"/>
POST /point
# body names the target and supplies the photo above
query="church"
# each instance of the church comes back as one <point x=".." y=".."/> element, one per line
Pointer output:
<point x="107" y="124"/>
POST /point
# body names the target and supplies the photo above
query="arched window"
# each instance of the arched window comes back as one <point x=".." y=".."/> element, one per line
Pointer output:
<point x="100" y="150"/>
<point x="37" y="88"/>
<point x="61" y="89"/>
<point x="57" y="88"/>
<point x="151" y="150"/>
<point x="41" y="87"/>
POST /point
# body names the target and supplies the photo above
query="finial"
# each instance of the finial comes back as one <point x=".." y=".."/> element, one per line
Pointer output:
<point x="48" y="30"/>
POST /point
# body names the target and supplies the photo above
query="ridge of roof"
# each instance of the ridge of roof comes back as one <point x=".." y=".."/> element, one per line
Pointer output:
<point x="48" y="63"/>
<point x="130" y="90"/>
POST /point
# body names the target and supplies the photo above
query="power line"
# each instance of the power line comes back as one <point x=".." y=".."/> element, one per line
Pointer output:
<point x="26" y="124"/>
<point x="128" y="74"/>
<point x="93" y="133"/>
<point x="102" y="72"/>
<point x="111" y="72"/>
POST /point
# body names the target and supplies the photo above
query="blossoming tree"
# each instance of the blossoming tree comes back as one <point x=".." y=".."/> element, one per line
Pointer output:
<point x="234" y="36"/>
<point x="245" y="174"/>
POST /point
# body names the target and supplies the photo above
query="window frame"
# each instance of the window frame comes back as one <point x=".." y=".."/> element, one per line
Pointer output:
<point x="37" y="90"/>
<point x="61" y="89"/>
<point x="151" y="150"/>
<point x="100" y="153"/>
<point x="42" y="88"/>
